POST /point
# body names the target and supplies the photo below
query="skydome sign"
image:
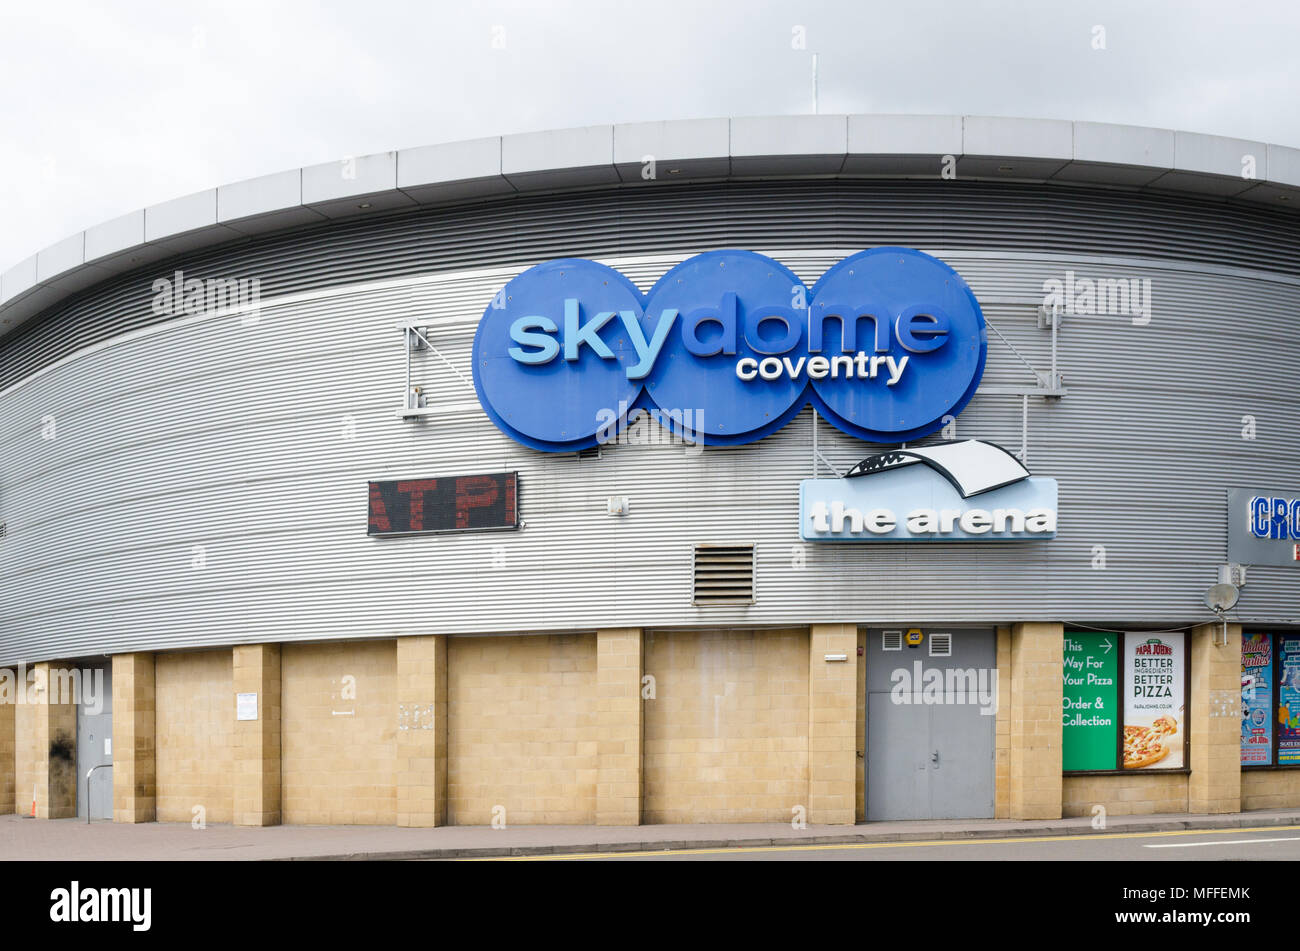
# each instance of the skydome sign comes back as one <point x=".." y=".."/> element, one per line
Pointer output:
<point x="885" y="344"/>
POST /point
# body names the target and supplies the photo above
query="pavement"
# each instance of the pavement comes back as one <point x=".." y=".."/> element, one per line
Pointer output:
<point x="76" y="840"/>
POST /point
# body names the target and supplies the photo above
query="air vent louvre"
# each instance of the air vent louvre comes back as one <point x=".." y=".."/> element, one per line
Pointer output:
<point x="592" y="453"/>
<point x="723" y="574"/>
<point x="891" y="640"/>
<point x="941" y="645"/>
<point x="4" y="530"/>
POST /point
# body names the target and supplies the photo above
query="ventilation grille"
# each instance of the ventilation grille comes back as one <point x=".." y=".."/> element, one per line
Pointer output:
<point x="592" y="453"/>
<point x="940" y="645"/>
<point x="4" y="530"/>
<point x="724" y="574"/>
<point x="891" y="640"/>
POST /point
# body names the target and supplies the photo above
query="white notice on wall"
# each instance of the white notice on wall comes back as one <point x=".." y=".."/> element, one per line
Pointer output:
<point x="245" y="706"/>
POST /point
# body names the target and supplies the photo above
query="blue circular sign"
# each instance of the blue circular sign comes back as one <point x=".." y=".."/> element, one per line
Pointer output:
<point x="731" y="306"/>
<point x="729" y="346"/>
<point x="553" y="350"/>
<point x="922" y="335"/>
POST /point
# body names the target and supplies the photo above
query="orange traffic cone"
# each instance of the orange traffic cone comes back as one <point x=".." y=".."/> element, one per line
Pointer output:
<point x="33" y="815"/>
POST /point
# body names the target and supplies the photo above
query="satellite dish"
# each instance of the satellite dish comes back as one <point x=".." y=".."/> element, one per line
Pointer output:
<point x="1222" y="597"/>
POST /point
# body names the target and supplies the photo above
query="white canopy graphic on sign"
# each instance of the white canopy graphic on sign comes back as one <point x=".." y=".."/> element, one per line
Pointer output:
<point x="972" y="466"/>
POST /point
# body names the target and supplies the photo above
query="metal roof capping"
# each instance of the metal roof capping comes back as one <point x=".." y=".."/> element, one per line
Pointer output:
<point x="643" y="154"/>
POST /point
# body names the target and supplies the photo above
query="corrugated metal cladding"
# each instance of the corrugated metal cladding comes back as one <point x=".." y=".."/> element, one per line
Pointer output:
<point x="649" y="218"/>
<point x="204" y="482"/>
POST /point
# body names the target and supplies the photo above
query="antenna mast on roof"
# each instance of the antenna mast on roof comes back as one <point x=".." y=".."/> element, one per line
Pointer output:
<point x="814" y="84"/>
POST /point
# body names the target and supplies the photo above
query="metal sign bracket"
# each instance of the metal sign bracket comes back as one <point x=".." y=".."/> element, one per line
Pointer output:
<point x="415" y="339"/>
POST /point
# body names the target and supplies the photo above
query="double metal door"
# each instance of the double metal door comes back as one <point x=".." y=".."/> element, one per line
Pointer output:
<point x="930" y="751"/>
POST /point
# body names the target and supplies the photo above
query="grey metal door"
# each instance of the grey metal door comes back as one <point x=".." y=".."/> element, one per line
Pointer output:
<point x="898" y="774"/>
<point x="930" y="724"/>
<point x="95" y="742"/>
<point x="961" y="763"/>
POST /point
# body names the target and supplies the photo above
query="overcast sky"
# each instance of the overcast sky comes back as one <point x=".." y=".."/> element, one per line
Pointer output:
<point x="106" y="107"/>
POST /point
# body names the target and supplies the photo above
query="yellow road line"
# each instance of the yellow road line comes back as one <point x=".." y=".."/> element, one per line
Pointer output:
<point x="873" y="845"/>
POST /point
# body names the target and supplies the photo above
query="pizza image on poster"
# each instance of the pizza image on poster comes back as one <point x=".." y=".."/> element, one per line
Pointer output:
<point x="1154" y="710"/>
<point x="1147" y="745"/>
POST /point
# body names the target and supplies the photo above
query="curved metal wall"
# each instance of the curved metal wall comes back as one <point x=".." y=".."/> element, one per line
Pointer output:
<point x="206" y="434"/>
<point x="640" y="219"/>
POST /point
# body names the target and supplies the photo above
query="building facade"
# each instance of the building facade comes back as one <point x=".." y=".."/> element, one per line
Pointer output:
<point x="297" y="525"/>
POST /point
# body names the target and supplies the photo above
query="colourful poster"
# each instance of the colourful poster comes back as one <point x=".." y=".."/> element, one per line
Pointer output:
<point x="1155" y="716"/>
<point x="1256" y="699"/>
<point x="1090" y="701"/>
<point x="1288" y="700"/>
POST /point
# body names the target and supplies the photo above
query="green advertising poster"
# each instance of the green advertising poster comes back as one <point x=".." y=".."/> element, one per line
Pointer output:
<point x="1090" y="701"/>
